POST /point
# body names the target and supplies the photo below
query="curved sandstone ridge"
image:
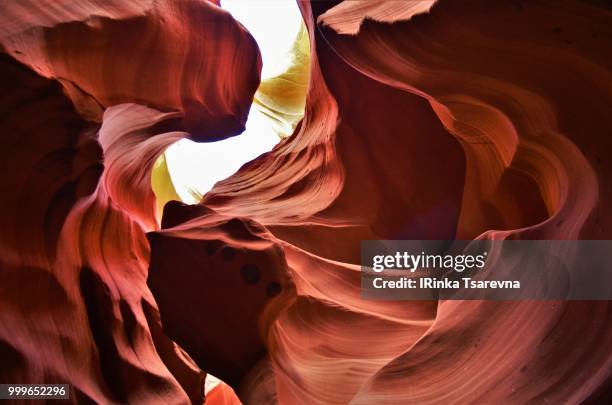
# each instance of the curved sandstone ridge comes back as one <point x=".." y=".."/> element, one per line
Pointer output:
<point x="347" y="17"/>
<point x="470" y="119"/>
<point x="186" y="56"/>
<point x="74" y="303"/>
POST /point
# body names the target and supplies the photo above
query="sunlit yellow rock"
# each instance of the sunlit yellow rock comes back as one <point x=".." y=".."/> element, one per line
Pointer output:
<point x="282" y="98"/>
<point x="162" y="185"/>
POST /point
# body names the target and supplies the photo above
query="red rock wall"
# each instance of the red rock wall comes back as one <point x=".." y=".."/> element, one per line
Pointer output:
<point x="469" y="119"/>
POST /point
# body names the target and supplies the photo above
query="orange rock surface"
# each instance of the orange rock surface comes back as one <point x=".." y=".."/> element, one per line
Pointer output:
<point x="432" y="120"/>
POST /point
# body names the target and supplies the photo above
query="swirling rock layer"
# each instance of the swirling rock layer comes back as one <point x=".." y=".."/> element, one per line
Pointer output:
<point x="467" y="120"/>
<point x="188" y="56"/>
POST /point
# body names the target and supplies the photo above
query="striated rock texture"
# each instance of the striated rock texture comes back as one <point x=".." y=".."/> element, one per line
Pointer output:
<point x="423" y="120"/>
<point x="77" y="195"/>
<point x="188" y="56"/>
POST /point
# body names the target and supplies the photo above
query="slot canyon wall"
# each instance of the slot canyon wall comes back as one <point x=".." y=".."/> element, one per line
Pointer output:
<point x="424" y="120"/>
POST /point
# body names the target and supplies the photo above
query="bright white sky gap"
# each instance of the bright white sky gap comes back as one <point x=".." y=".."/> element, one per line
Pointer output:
<point x="198" y="166"/>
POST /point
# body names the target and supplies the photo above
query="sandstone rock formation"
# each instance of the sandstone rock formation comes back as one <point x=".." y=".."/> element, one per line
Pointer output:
<point x="423" y="120"/>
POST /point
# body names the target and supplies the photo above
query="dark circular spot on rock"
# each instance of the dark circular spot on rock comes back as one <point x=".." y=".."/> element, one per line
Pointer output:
<point x="228" y="253"/>
<point x="273" y="289"/>
<point x="250" y="273"/>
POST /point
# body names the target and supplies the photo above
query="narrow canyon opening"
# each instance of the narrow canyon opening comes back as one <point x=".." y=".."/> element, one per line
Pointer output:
<point x="280" y="33"/>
